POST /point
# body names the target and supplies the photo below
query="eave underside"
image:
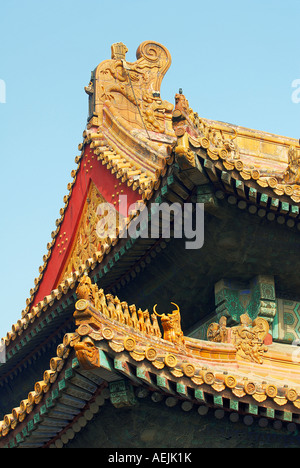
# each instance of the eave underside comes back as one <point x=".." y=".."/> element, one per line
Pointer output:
<point x="82" y="401"/>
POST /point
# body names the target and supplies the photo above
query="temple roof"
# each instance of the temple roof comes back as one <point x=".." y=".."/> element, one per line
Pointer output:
<point x="141" y="146"/>
<point x="137" y="144"/>
<point x="237" y="370"/>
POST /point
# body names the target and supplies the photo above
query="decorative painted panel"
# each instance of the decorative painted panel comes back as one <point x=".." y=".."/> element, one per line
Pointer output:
<point x="92" y="231"/>
<point x="287" y="321"/>
<point x="232" y="300"/>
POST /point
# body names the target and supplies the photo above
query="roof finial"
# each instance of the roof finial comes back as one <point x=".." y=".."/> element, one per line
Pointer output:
<point x="118" y="51"/>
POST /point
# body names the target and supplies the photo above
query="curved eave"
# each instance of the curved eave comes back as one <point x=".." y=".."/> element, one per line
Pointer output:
<point x="246" y="194"/>
<point x="112" y="267"/>
<point x="212" y="173"/>
<point x="255" y="159"/>
<point x="140" y="181"/>
<point x="56" y="403"/>
<point x="70" y="393"/>
<point x="122" y="260"/>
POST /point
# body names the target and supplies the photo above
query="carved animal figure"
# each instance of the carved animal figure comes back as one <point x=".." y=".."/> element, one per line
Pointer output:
<point x="248" y="337"/>
<point x="141" y="322"/>
<point x="83" y="290"/>
<point x="126" y="314"/>
<point x="111" y="306"/>
<point x="156" y="329"/>
<point x="134" y="317"/>
<point x="147" y="321"/>
<point x="119" y="311"/>
<point x="292" y="173"/>
<point x="86" y="290"/>
<point x="171" y="324"/>
<point x="218" y="332"/>
<point x="102" y="303"/>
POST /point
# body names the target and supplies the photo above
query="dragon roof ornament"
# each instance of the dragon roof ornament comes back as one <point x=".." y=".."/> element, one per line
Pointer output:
<point x="125" y="106"/>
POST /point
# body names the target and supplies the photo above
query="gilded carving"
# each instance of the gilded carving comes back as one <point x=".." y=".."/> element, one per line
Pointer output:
<point x="177" y="372"/>
<point x="285" y="181"/>
<point x="126" y="314"/>
<point x="259" y="396"/>
<point x="296" y="403"/>
<point x="238" y="391"/>
<point x="197" y="379"/>
<point x="155" y="326"/>
<point x="292" y="173"/>
<point x="218" y="332"/>
<point x="87" y="354"/>
<point x="56" y="364"/>
<point x="86" y="292"/>
<point x="193" y="133"/>
<point x="229" y="145"/>
<point x="158" y="364"/>
<point x="118" y="309"/>
<point x="111" y="307"/>
<point x="129" y="329"/>
<point x="92" y="233"/>
<point x="132" y="90"/>
<point x="118" y="51"/>
<point x="85" y="329"/>
<point x="171" y="324"/>
<point x="82" y="303"/>
<point x="248" y="337"/>
<point x="280" y="400"/>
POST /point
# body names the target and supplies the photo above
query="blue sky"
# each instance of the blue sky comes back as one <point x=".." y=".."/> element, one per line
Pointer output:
<point x="235" y="60"/>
